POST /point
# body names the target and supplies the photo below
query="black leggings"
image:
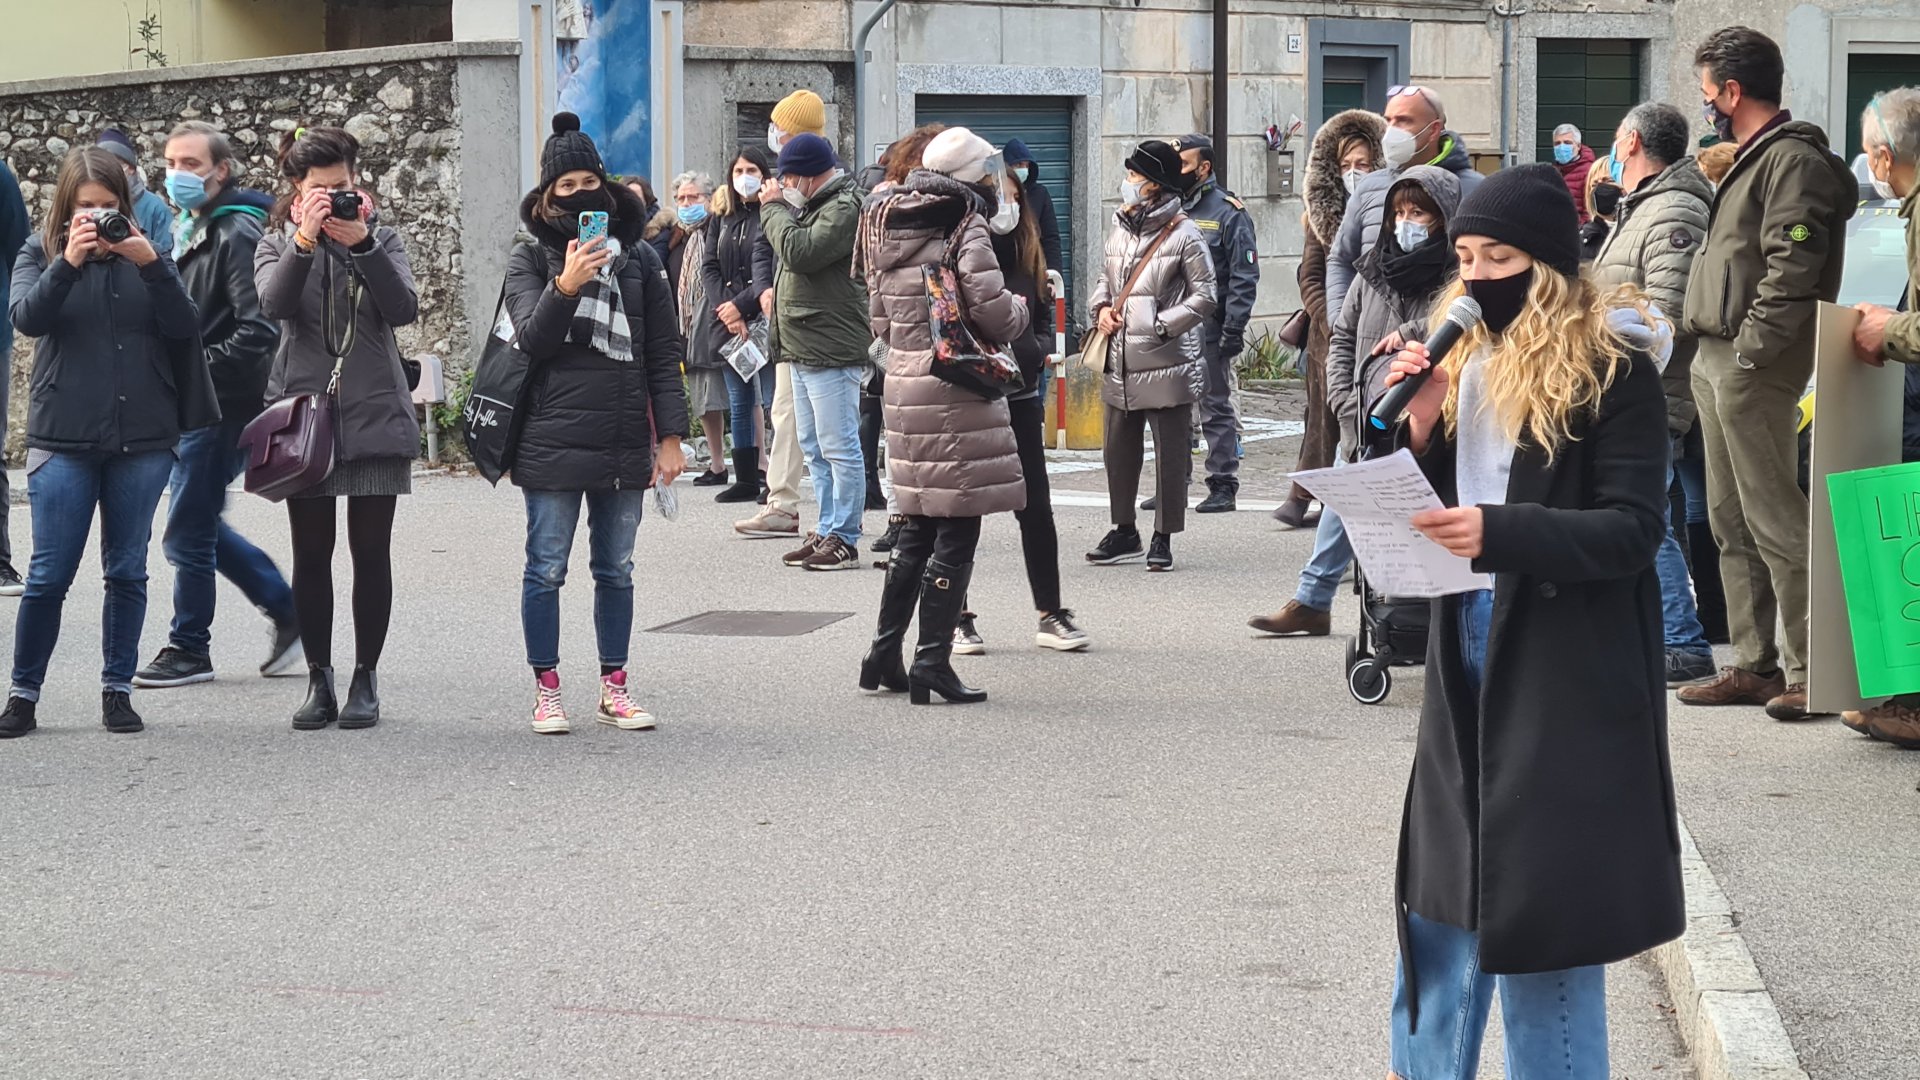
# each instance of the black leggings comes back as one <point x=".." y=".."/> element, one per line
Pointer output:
<point x="1039" y="540"/>
<point x="950" y="540"/>
<point x="370" y="540"/>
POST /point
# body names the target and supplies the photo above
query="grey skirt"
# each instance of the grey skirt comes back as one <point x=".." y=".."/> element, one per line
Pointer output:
<point x="706" y="392"/>
<point x="370" y="476"/>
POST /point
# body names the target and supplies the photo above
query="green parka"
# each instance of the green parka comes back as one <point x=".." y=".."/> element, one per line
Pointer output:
<point x="820" y="308"/>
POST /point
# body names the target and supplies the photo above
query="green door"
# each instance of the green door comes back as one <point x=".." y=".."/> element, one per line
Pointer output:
<point x="1587" y="83"/>
<point x="1869" y="74"/>
<point x="1045" y="124"/>
<point x="1339" y="95"/>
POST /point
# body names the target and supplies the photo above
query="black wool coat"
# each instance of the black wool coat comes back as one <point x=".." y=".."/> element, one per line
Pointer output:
<point x="590" y="419"/>
<point x="1542" y="814"/>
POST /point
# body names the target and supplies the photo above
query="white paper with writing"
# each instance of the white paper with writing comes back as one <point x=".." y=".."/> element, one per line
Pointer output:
<point x="1376" y="501"/>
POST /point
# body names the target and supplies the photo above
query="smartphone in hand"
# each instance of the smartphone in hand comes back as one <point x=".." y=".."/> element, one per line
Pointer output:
<point x="593" y="223"/>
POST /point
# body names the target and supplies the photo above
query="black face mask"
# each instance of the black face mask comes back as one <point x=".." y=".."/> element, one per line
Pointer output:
<point x="1501" y="299"/>
<point x="1722" y="122"/>
<point x="580" y="202"/>
<point x="1606" y="198"/>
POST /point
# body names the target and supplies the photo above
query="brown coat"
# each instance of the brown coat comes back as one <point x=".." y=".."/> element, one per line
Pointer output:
<point x="949" y="453"/>
<point x="1152" y="361"/>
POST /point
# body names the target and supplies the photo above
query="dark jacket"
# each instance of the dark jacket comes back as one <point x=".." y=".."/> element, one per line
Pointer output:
<point x="217" y="267"/>
<point x="1658" y="231"/>
<point x="739" y="266"/>
<point x="1031" y="348"/>
<point x="14" y="227"/>
<point x="1038" y="197"/>
<point x="376" y="418"/>
<point x="820" y="308"/>
<point x="111" y="334"/>
<point x="1360" y="226"/>
<point x="590" y="419"/>
<point x="1775" y="245"/>
<point x="1542" y="814"/>
<point x="1228" y="229"/>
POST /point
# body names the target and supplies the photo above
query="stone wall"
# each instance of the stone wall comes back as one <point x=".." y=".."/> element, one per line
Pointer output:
<point x="404" y="104"/>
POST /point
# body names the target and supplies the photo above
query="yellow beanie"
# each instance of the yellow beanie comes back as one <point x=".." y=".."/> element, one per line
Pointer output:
<point x="801" y="113"/>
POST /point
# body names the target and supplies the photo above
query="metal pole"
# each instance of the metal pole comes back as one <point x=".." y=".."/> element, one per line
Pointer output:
<point x="1220" y="93"/>
<point x="860" y="151"/>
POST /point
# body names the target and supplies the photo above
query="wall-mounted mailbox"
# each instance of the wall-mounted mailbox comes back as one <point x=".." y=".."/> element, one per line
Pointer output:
<point x="1280" y="172"/>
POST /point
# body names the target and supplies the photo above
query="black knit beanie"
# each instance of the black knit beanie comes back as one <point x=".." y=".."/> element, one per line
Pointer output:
<point x="1160" y="162"/>
<point x="568" y="149"/>
<point x="1527" y="207"/>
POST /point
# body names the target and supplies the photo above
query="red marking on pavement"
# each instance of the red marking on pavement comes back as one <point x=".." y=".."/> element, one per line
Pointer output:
<point x="783" y="1025"/>
<point x="36" y="973"/>
<point x="339" y="991"/>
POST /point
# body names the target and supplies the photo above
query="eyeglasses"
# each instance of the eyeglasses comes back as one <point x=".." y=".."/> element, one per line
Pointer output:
<point x="1410" y="90"/>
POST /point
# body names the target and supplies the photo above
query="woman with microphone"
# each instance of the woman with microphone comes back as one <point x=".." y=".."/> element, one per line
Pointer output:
<point x="1539" y="841"/>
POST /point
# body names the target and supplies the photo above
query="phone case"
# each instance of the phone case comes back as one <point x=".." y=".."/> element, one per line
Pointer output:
<point x="593" y="223"/>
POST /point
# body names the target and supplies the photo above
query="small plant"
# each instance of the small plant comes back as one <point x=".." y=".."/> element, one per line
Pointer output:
<point x="1267" y="357"/>
<point x="148" y="31"/>
<point x="447" y="416"/>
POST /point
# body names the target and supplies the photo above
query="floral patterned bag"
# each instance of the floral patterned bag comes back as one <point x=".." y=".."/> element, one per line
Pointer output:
<point x="959" y="356"/>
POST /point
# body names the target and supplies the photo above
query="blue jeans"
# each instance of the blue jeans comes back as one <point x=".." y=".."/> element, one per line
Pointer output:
<point x="613" y="519"/>
<point x="747" y="400"/>
<point x="826" y="417"/>
<point x="1476" y="623"/>
<point x="6" y="495"/>
<point x="1692" y="468"/>
<point x="1680" y="620"/>
<point x="1332" y="554"/>
<point x="63" y="492"/>
<point x="199" y="541"/>
<point x="1555" y="1022"/>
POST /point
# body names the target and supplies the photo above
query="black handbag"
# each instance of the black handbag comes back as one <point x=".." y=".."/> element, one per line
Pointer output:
<point x="491" y="419"/>
<point x="959" y="356"/>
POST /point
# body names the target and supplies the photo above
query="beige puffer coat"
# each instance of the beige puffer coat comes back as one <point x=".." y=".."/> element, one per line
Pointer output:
<point x="949" y="453"/>
<point x="1149" y="368"/>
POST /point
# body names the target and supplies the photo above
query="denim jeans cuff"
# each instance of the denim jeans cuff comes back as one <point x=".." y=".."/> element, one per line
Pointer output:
<point x="24" y="694"/>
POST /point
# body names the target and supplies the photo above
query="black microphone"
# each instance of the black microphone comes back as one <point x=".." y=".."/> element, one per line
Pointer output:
<point x="1462" y="315"/>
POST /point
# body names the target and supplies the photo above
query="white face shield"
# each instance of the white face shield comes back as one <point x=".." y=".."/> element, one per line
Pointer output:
<point x="1005" y="213"/>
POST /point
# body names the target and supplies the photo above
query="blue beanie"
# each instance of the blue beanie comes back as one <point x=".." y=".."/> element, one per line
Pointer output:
<point x="806" y="155"/>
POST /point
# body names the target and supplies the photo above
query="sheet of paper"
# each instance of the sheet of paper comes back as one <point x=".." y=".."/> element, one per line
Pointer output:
<point x="1376" y="501"/>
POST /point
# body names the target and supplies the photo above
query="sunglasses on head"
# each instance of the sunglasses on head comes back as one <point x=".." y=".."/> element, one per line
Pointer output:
<point x="1409" y="90"/>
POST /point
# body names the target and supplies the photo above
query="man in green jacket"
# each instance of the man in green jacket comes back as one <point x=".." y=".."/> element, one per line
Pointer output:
<point x="1890" y="136"/>
<point x="1774" y="251"/>
<point x="811" y="217"/>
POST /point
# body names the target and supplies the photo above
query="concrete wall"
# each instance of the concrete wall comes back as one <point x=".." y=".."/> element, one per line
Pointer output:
<point x="49" y="38"/>
<point x="437" y="124"/>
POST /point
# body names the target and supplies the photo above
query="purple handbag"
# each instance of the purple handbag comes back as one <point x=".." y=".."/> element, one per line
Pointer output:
<point x="290" y="445"/>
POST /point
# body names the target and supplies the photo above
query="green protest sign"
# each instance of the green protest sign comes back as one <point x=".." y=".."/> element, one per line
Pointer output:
<point x="1876" y="527"/>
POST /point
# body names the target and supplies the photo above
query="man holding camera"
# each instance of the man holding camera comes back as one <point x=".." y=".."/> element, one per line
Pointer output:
<point x="218" y="228"/>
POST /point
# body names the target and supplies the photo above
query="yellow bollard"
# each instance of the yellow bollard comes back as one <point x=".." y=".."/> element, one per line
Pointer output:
<point x="1086" y="419"/>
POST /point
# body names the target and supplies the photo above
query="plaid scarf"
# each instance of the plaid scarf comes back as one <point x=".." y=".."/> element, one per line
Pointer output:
<point x="693" y="291"/>
<point x="600" y="318"/>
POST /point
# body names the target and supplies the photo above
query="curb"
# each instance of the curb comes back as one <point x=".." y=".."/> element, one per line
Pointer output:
<point x="1732" y="1029"/>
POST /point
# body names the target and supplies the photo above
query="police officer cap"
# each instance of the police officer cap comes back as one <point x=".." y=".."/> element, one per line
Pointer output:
<point x="1196" y="141"/>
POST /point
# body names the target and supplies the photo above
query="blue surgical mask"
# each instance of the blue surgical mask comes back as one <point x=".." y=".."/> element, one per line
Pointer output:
<point x="1563" y="153"/>
<point x="1616" y="166"/>
<point x="1020" y="173"/>
<point x="187" y="190"/>
<point x="692" y="215"/>
<point x="1410" y="234"/>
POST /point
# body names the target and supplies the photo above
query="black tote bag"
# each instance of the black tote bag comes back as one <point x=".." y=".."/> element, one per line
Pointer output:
<point x="490" y="421"/>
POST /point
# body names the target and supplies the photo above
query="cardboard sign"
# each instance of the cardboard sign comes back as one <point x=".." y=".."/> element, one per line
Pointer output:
<point x="1876" y="525"/>
<point x="1856" y="426"/>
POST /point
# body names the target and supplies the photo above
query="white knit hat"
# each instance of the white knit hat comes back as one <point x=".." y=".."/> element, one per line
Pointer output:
<point x="959" y="153"/>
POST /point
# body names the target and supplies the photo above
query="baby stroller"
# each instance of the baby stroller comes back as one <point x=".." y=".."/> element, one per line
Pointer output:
<point x="1393" y="633"/>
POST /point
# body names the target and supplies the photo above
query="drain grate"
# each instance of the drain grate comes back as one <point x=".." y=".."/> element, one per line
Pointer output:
<point x="752" y="623"/>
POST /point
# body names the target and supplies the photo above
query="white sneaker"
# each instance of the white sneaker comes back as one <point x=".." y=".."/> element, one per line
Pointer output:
<point x="549" y="716"/>
<point x="617" y="708"/>
<point x="966" y="638"/>
<point x="10" y="583"/>
<point x="770" y="523"/>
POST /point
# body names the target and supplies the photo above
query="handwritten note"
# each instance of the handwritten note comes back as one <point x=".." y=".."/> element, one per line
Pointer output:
<point x="1376" y="501"/>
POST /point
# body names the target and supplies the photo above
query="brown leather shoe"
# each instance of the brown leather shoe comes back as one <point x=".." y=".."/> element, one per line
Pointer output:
<point x="1894" y="722"/>
<point x="1791" y="704"/>
<point x="1294" y="620"/>
<point x="1861" y="721"/>
<point x="1737" y="686"/>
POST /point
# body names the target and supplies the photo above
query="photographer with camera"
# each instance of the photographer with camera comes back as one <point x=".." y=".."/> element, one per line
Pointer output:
<point x="338" y="282"/>
<point x="116" y="329"/>
<point x="219" y="232"/>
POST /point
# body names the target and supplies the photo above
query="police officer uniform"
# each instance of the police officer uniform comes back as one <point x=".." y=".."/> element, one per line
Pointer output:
<point x="1224" y="221"/>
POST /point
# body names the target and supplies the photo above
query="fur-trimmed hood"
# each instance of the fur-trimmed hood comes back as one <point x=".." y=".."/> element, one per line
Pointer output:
<point x="1326" y="193"/>
<point x="626" y="222"/>
<point x="660" y="222"/>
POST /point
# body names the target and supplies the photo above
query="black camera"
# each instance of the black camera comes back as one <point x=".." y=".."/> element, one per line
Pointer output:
<point x="345" y="205"/>
<point x="112" y="225"/>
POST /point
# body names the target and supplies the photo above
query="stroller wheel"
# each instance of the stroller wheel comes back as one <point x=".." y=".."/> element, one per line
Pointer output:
<point x="1369" y="682"/>
<point x="1356" y="652"/>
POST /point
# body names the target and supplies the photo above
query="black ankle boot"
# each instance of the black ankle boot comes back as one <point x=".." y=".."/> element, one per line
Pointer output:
<point x="319" y="709"/>
<point x="363" y="701"/>
<point x="746" y="477"/>
<point x="883" y="667"/>
<point x="943" y="593"/>
<point x="890" y="538"/>
<point x="870" y="427"/>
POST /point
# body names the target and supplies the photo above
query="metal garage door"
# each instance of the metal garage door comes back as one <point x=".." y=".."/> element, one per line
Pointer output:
<point x="1869" y="74"/>
<point x="1045" y="124"/>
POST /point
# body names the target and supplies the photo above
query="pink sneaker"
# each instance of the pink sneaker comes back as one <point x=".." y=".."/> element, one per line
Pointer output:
<point x="617" y="708"/>
<point x="549" y="717"/>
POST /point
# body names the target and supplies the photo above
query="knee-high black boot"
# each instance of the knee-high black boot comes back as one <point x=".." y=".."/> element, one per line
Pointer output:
<point x="883" y="667"/>
<point x="942" y="594"/>
<point x="746" y="477"/>
<point x="871" y="422"/>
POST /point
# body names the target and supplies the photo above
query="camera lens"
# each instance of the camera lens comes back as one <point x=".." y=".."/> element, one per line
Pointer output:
<point x="345" y="204"/>
<point x="113" y="226"/>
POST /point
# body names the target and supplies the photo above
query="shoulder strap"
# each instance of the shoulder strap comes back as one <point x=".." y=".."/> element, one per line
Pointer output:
<point x="1120" y="298"/>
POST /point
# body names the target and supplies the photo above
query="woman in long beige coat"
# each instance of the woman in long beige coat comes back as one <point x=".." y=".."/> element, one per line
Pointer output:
<point x="1155" y="352"/>
<point x="950" y="453"/>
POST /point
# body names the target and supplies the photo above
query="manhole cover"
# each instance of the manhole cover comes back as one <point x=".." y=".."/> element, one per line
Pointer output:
<point x="752" y="623"/>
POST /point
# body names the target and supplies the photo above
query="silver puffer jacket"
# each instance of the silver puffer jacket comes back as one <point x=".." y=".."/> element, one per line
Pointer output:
<point x="1153" y="364"/>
